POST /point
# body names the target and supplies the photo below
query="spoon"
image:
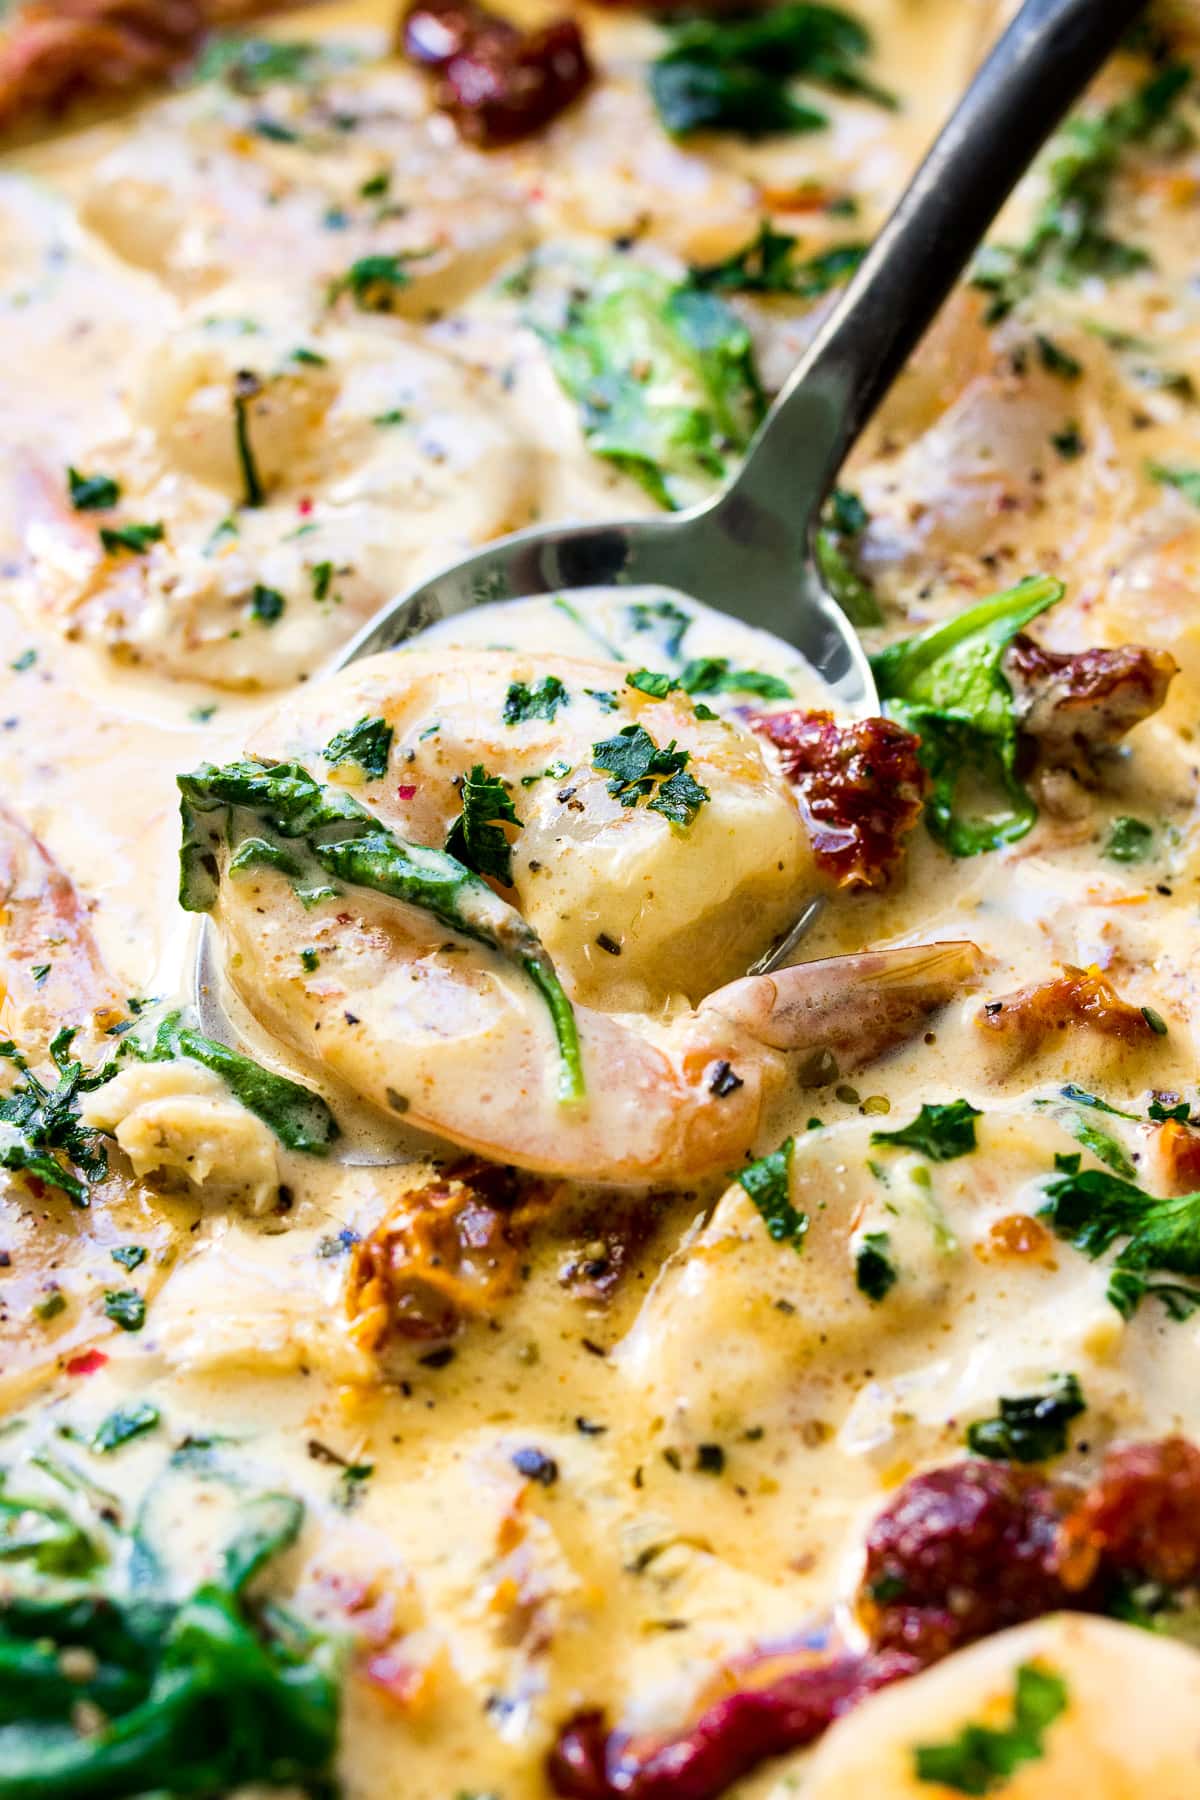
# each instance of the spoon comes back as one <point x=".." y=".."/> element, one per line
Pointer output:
<point x="745" y="552"/>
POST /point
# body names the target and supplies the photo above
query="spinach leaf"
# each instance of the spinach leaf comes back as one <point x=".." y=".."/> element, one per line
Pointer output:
<point x="875" y="1273"/>
<point x="736" y="74"/>
<point x="541" y="701"/>
<point x="45" y="1537"/>
<point x="843" y="521"/>
<point x="369" y="744"/>
<point x="939" y="1132"/>
<point x="298" y="1117"/>
<point x="193" y="1697"/>
<point x="1032" y="1427"/>
<point x="768" y="264"/>
<point x="713" y="675"/>
<point x="664" y="377"/>
<point x="640" y="770"/>
<point x="981" y="1758"/>
<point x="768" y="1183"/>
<point x="1070" y="240"/>
<point x="948" y="686"/>
<point x="1091" y="1210"/>
<point x="476" y="838"/>
<point x="125" y="1423"/>
<point x="136" y="539"/>
<point x="221" y="806"/>
<point x="1183" y="477"/>
<point x="1129" y="840"/>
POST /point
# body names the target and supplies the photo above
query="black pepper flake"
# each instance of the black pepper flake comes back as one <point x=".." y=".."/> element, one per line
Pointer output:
<point x="535" y="1465"/>
<point x="5" y="1260"/>
<point x="673" y="1457"/>
<point x="437" y="1359"/>
<point x="724" y="1081"/>
<point x="589" y="1427"/>
<point x="992" y="1007"/>
<point x="610" y="945"/>
<point x="351" y="1018"/>
<point x="710" y="1459"/>
<point x="592" y="1347"/>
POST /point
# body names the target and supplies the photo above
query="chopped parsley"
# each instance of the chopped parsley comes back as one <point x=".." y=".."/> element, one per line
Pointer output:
<point x="982" y="1758"/>
<point x="476" y="838"/>
<point x="26" y="660"/>
<point x="373" y="282"/>
<point x="267" y="604"/>
<point x="874" y="1271"/>
<point x="369" y="744"/>
<point x="125" y="1423"/>
<point x="737" y="74"/>
<point x="309" y="961"/>
<point x="92" y="493"/>
<point x="1057" y="361"/>
<point x="1070" y="240"/>
<point x="663" y="620"/>
<point x="768" y="1183"/>
<point x="126" y="1308"/>
<point x="947" y="685"/>
<point x="664" y="377"/>
<point x="541" y="701"/>
<point x="941" y="1133"/>
<point x="137" y="539"/>
<point x="652" y="682"/>
<point x="1068" y="442"/>
<point x="40" y="1131"/>
<point x="130" y="1256"/>
<point x="1090" y="1209"/>
<point x="640" y="770"/>
<point x="322" y="580"/>
<point x="768" y="264"/>
<point x="843" y="521"/>
<point x="1032" y="1427"/>
<point x="249" y="65"/>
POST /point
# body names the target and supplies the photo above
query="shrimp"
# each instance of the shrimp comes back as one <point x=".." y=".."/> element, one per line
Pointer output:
<point x="647" y="918"/>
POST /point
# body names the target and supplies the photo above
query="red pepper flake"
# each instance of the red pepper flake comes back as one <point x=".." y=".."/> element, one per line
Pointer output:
<point x="406" y="792"/>
<point x="393" y="1675"/>
<point x="86" y="1363"/>
<point x="304" y="507"/>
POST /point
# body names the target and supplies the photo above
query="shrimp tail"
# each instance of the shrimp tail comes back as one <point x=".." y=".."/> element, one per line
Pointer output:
<point x="853" y="1007"/>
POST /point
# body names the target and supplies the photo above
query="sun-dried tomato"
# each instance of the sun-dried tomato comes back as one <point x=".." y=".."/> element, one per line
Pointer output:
<point x="1140" y="1517"/>
<point x="1173" y="1163"/>
<point x="1078" y="999"/>
<point x="731" y="1737"/>
<point x="447" y="1251"/>
<point x="498" y="83"/>
<point x="861" y="788"/>
<point x="1074" y="704"/>
<point x="961" y="1552"/>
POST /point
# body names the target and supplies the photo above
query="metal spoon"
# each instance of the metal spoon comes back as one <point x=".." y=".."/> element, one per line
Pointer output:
<point x="746" y="551"/>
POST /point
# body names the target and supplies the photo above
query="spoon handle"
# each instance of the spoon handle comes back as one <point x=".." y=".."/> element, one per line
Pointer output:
<point x="1037" y="69"/>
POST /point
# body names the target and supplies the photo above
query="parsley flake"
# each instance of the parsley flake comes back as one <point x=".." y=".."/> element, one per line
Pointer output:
<point x="369" y="744"/>
<point x="768" y="1183"/>
<point x="476" y="838"/>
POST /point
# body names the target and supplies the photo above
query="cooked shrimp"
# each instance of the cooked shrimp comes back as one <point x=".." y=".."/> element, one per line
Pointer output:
<point x="644" y="917"/>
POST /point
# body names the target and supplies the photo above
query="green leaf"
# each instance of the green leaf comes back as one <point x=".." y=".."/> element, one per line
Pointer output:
<point x="939" y="1132"/>
<point x="1070" y="240"/>
<point x="344" y="840"/>
<point x="875" y="1273"/>
<point x="735" y="74"/>
<point x="374" y="281"/>
<point x="126" y="1308"/>
<point x="1091" y="1210"/>
<point x="92" y="493"/>
<point x="1129" y="840"/>
<point x="652" y="682"/>
<point x="664" y="378"/>
<point x="33" y="1532"/>
<point x="476" y="838"/>
<point x="541" y="701"/>
<point x="1032" y="1427"/>
<point x="981" y="1758"/>
<point x="369" y="744"/>
<point x="1182" y="476"/>
<point x="664" y="621"/>
<point x="266" y="1525"/>
<point x="40" y="1131"/>
<point x="299" y="1118"/>
<point x="768" y="264"/>
<point x="768" y="1183"/>
<point x="125" y="1423"/>
<point x="948" y="686"/>
<point x="843" y="521"/>
<point x="640" y="770"/>
<point x="249" y="65"/>
<point x="136" y="539"/>
<point x="713" y="675"/>
<point x="267" y="604"/>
